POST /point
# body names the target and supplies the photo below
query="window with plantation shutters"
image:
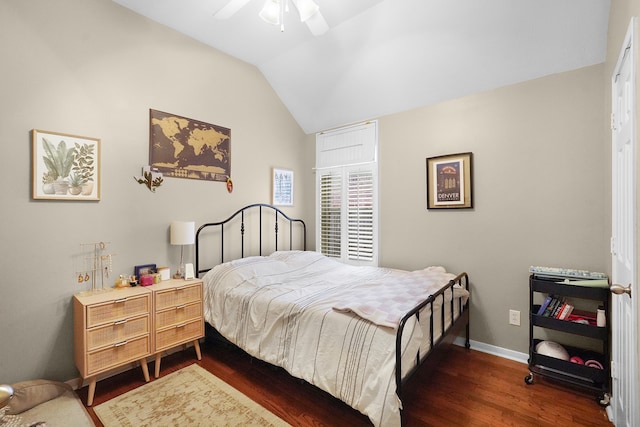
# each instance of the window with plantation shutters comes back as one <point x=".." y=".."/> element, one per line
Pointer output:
<point x="346" y="188"/>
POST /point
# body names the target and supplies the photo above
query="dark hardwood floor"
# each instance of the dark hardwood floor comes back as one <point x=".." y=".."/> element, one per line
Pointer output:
<point x="470" y="389"/>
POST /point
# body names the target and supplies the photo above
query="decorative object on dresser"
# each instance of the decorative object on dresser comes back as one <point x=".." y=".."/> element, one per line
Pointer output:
<point x="143" y="274"/>
<point x="65" y="167"/>
<point x="95" y="266"/>
<point x="182" y="233"/>
<point x="301" y="309"/>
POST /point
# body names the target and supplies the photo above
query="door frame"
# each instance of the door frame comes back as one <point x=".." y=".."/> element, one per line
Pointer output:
<point x="628" y="48"/>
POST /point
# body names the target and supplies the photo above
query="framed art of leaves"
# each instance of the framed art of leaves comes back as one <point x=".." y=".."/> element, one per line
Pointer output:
<point x="65" y="167"/>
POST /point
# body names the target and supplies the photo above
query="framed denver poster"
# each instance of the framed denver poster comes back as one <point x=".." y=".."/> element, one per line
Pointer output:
<point x="449" y="181"/>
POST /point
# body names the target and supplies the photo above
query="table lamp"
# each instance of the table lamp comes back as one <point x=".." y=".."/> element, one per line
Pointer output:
<point x="182" y="233"/>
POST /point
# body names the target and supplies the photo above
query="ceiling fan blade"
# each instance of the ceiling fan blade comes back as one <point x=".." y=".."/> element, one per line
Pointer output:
<point x="230" y="9"/>
<point x="317" y="24"/>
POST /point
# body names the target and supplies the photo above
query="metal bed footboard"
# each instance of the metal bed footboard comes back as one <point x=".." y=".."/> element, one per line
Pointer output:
<point x="447" y="335"/>
<point x="279" y="217"/>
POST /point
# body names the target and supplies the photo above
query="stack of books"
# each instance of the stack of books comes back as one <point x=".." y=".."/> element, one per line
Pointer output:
<point x="559" y="308"/>
<point x="555" y="307"/>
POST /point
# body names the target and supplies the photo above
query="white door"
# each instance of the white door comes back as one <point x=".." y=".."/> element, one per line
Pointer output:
<point x="624" y="366"/>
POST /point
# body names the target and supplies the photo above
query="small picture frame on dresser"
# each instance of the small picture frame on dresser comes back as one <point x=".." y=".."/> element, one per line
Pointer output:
<point x="140" y="270"/>
<point x="188" y="271"/>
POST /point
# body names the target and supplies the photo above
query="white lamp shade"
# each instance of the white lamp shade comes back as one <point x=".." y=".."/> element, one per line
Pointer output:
<point x="183" y="233"/>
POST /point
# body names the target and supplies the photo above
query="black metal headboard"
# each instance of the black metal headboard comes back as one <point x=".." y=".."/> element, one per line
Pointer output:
<point x="243" y="232"/>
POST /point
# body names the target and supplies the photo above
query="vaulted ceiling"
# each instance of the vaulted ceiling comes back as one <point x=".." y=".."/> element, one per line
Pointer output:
<point x="380" y="57"/>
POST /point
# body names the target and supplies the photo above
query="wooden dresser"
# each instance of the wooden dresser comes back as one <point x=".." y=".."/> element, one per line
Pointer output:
<point x="111" y="328"/>
<point x="178" y="316"/>
<point x="116" y="327"/>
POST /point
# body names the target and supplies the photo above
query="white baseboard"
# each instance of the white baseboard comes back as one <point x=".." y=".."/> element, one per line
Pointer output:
<point x="475" y="345"/>
<point x="496" y="351"/>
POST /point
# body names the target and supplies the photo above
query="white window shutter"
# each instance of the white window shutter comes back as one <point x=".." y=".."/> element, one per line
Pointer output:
<point x="347" y="194"/>
<point x="330" y="213"/>
<point x="360" y="218"/>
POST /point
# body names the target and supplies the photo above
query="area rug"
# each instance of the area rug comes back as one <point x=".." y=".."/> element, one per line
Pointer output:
<point x="189" y="397"/>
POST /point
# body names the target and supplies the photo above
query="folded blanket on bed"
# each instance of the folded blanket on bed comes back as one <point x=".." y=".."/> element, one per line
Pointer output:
<point x="385" y="303"/>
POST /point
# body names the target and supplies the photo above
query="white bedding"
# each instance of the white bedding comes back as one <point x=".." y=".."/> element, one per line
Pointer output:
<point x="280" y="309"/>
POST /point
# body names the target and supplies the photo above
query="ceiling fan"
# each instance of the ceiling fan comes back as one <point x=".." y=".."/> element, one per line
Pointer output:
<point x="273" y="12"/>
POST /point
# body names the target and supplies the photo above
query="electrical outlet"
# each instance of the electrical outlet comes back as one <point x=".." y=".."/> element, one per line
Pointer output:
<point x="514" y="317"/>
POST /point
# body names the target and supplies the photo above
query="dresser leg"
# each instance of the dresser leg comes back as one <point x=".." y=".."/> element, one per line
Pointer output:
<point x="196" y="344"/>
<point x="145" y="369"/>
<point x="158" y="359"/>
<point x="92" y="391"/>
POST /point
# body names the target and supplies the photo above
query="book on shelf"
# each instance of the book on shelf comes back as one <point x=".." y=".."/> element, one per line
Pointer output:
<point x="558" y="311"/>
<point x="557" y="308"/>
<point x="544" y="305"/>
<point x="551" y="307"/>
<point x="565" y="312"/>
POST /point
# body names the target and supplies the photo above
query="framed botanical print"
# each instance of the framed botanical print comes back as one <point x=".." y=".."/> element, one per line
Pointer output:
<point x="65" y="167"/>
<point x="449" y="181"/>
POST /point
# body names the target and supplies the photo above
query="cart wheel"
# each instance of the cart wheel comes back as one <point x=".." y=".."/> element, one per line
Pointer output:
<point x="529" y="379"/>
<point x="604" y="399"/>
<point x="467" y="345"/>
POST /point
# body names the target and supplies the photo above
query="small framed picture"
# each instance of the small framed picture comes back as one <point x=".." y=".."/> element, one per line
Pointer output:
<point x="141" y="270"/>
<point x="449" y="181"/>
<point x="282" y="187"/>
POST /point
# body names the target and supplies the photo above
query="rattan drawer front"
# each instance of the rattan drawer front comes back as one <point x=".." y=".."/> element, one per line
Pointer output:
<point x="178" y="296"/>
<point x="118" y="309"/>
<point x="179" y="314"/>
<point x="117" y="332"/>
<point x="118" y="354"/>
<point x="179" y="334"/>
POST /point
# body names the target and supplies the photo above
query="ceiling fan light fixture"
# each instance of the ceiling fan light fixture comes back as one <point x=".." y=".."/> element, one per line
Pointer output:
<point x="306" y="8"/>
<point x="270" y="12"/>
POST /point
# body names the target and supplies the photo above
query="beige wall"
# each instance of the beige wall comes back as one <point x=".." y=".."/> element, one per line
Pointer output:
<point x="93" y="68"/>
<point x="539" y="191"/>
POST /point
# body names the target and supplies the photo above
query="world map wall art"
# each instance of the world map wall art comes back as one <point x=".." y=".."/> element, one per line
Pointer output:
<point x="186" y="148"/>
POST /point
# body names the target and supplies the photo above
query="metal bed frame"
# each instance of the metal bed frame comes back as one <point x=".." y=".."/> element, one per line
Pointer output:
<point x="259" y="206"/>
<point x="437" y="347"/>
